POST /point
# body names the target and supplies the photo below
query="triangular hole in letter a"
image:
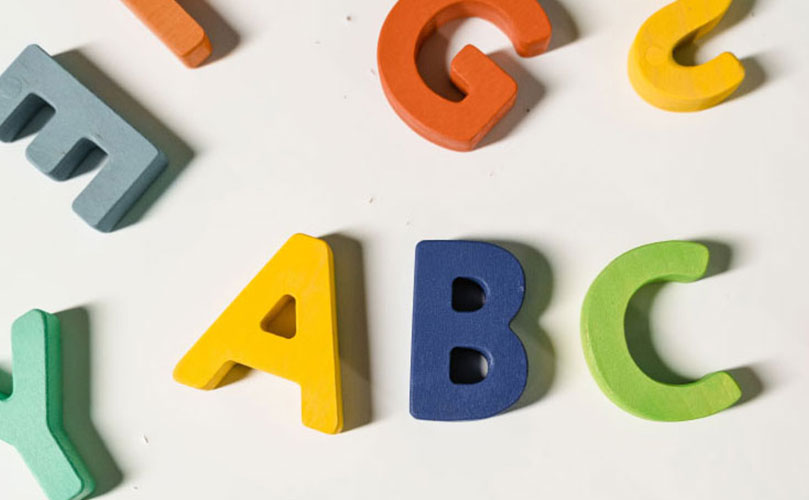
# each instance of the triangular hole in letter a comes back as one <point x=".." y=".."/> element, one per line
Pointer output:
<point x="281" y="318"/>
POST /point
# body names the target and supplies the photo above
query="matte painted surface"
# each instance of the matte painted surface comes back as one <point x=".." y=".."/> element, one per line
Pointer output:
<point x="82" y="121"/>
<point x="438" y="328"/>
<point x="605" y="345"/>
<point x="31" y="416"/>
<point x="303" y="269"/>
<point x="175" y="28"/>
<point x="490" y="91"/>
<point x="665" y="83"/>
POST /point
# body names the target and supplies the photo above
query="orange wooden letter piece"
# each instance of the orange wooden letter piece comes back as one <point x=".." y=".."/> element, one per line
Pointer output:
<point x="490" y="91"/>
<point x="175" y="28"/>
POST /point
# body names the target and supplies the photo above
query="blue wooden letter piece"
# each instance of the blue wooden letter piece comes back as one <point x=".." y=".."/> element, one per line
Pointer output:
<point x="466" y="294"/>
<point x="81" y="122"/>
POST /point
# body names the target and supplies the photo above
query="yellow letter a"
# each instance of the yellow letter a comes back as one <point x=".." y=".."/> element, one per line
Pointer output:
<point x="296" y="339"/>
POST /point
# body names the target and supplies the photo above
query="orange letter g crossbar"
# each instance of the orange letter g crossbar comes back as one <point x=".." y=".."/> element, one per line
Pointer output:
<point x="490" y="91"/>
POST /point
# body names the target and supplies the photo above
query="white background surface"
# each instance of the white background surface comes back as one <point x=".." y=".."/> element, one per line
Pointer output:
<point x="290" y="132"/>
